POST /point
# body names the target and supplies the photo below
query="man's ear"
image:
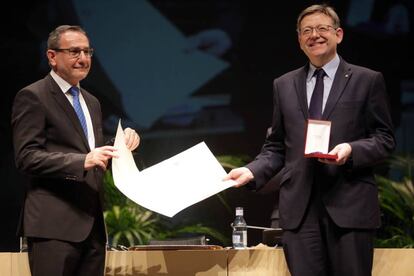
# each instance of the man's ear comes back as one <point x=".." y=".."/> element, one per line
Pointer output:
<point x="339" y="35"/>
<point x="51" y="55"/>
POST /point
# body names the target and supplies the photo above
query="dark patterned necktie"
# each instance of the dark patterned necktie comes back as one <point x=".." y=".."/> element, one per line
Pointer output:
<point x="315" y="106"/>
<point x="74" y="91"/>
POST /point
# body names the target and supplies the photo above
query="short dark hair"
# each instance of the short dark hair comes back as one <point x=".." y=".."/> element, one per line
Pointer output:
<point x="322" y="8"/>
<point x="53" y="41"/>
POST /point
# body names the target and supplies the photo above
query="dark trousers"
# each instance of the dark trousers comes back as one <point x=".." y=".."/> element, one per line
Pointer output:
<point x="320" y="248"/>
<point x="62" y="258"/>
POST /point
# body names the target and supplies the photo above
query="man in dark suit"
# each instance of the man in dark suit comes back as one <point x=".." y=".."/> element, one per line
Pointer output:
<point x="58" y="142"/>
<point x="329" y="209"/>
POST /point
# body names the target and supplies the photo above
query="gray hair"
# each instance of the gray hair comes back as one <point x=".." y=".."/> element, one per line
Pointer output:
<point x="53" y="41"/>
<point x="324" y="9"/>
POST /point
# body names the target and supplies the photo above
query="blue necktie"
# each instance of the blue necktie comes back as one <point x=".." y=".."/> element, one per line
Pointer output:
<point x="74" y="91"/>
<point x="315" y="106"/>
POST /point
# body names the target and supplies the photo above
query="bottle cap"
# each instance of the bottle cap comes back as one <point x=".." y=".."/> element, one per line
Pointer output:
<point x="239" y="211"/>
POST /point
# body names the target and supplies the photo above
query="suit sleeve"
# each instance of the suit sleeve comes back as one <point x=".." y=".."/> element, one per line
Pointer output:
<point x="379" y="141"/>
<point x="271" y="158"/>
<point x="29" y="122"/>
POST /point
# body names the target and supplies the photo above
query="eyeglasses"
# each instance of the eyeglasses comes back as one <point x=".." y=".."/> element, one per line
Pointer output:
<point x="75" y="52"/>
<point x="320" y="29"/>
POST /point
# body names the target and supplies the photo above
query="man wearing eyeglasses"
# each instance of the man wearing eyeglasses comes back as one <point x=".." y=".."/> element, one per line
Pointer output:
<point x="58" y="142"/>
<point x="329" y="208"/>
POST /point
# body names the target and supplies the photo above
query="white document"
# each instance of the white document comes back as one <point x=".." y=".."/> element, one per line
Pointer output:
<point x="171" y="185"/>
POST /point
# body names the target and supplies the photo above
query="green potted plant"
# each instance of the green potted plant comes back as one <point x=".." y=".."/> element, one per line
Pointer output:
<point x="397" y="204"/>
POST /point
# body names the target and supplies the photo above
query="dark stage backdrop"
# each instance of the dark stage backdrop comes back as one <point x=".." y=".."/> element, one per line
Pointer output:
<point x="186" y="71"/>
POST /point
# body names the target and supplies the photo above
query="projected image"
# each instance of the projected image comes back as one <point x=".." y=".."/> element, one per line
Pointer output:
<point x="156" y="68"/>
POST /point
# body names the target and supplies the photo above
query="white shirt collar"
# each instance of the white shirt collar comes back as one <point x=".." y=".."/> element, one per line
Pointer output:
<point x="64" y="85"/>
<point x="329" y="68"/>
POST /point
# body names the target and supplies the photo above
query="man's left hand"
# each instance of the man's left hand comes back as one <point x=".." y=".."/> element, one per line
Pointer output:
<point x="131" y="138"/>
<point x="344" y="153"/>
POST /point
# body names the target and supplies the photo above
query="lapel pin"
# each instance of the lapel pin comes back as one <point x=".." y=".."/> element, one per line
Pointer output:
<point x="346" y="75"/>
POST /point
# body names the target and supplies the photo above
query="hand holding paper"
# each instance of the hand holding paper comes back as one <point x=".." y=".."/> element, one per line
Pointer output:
<point x="132" y="139"/>
<point x="241" y="176"/>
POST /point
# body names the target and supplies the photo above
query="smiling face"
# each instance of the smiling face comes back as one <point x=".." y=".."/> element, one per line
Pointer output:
<point x="72" y="69"/>
<point x="319" y="46"/>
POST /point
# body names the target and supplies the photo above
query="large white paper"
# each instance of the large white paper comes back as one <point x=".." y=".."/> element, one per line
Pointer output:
<point x="171" y="185"/>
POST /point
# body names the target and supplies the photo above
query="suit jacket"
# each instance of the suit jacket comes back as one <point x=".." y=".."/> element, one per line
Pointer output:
<point x="358" y="108"/>
<point x="62" y="200"/>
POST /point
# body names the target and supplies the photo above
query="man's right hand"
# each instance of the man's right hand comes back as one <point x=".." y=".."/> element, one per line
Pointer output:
<point x="241" y="176"/>
<point x="99" y="157"/>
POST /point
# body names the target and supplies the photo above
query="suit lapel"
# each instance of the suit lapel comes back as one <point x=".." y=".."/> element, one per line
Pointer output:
<point x="68" y="110"/>
<point x="342" y="76"/>
<point x="300" y="87"/>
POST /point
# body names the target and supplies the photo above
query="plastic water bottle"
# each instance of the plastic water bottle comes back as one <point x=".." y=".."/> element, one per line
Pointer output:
<point x="239" y="236"/>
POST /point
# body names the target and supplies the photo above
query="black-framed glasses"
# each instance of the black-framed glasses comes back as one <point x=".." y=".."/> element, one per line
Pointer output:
<point x="320" y="29"/>
<point x="75" y="52"/>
